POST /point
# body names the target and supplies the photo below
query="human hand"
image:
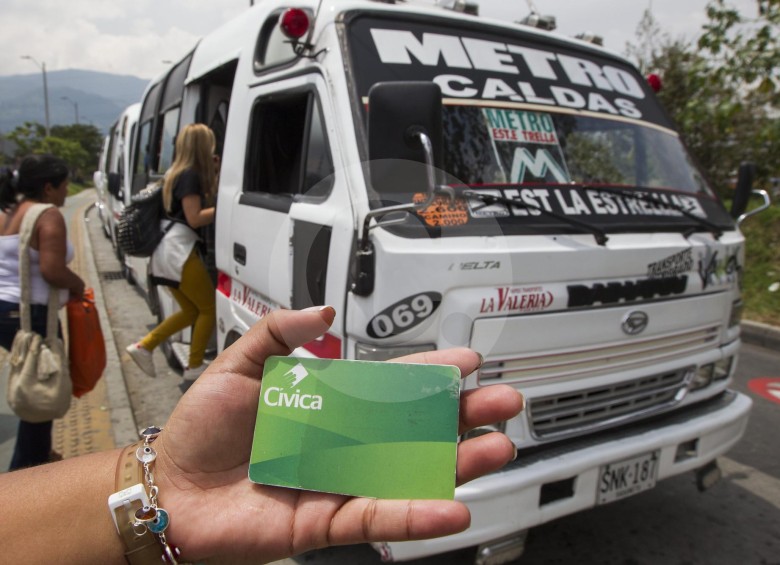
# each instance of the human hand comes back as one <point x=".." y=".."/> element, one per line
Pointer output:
<point x="203" y="459"/>
<point x="76" y="292"/>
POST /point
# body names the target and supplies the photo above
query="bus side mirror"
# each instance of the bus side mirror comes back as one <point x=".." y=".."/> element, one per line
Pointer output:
<point x="398" y="112"/>
<point x="743" y="190"/>
<point x="404" y="151"/>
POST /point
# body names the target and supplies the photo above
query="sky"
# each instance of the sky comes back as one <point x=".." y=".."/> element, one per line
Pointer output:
<point x="142" y="37"/>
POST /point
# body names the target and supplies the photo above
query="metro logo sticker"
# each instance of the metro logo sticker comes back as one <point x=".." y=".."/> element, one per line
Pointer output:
<point x="360" y="428"/>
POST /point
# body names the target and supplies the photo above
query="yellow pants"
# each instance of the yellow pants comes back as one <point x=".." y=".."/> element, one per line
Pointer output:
<point x="195" y="296"/>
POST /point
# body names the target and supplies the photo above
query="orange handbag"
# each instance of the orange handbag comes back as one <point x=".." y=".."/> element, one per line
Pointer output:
<point x="86" y="346"/>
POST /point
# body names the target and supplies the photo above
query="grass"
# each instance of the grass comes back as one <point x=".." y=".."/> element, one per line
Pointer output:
<point x="75" y="188"/>
<point x="762" y="267"/>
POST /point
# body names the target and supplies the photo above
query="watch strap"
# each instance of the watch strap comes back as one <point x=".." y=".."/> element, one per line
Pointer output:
<point x="140" y="549"/>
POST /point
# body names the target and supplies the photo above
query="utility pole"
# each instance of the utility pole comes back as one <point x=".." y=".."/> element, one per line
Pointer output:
<point x="42" y="66"/>
<point x="75" y="107"/>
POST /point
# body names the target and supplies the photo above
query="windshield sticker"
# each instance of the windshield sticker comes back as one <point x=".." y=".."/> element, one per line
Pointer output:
<point x="519" y="126"/>
<point x="514" y="68"/>
<point x="526" y="145"/>
<point x="443" y="211"/>
<point x="575" y="202"/>
<point x="671" y="266"/>
<point x="715" y="270"/>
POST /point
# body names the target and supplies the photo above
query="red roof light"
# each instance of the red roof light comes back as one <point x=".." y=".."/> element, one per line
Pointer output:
<point x="294" y="23"/>
<point x="655" y="82"/>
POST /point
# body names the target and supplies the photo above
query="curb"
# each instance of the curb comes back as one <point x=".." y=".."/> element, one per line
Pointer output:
<point x="122" y="419"/>
<point x="757" y="333"/>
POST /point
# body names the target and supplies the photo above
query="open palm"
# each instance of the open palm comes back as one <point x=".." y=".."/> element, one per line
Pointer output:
<point x="203" y="459"/>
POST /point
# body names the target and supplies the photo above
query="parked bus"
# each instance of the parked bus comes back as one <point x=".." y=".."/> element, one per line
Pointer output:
<point x="444" y="180"/>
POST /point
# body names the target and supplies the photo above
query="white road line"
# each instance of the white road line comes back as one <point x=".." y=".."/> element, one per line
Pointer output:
<point x="752" y="480"/>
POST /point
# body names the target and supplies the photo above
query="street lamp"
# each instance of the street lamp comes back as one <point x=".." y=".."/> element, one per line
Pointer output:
<point x="42" y="66"/>
<point x="75" y="107"/>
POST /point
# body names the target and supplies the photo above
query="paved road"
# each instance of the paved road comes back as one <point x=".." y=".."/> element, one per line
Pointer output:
<point x="737" y="521"/>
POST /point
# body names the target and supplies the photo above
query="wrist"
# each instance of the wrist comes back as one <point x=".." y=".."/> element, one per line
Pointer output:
<point x="140" y="521"/>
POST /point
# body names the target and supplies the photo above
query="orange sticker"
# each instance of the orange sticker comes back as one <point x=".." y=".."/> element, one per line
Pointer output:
<point x="443" y="211"/>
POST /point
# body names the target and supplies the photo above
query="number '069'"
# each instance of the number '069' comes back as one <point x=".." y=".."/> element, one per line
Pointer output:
<point x="403" y="315"/>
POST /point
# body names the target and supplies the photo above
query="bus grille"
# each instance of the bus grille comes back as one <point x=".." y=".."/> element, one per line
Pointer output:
<point x="598" y="359"/>
<point x="592" y="409"/>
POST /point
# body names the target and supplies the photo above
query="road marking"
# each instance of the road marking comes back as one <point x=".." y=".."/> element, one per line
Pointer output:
<point x="764" y="486"/>
<point x="768" y="387"/>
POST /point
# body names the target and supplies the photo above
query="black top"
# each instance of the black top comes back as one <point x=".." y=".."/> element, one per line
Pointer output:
<point x="187" y="183"/>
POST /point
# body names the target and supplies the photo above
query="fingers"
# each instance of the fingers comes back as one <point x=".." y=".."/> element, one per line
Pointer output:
<point x="481" y="406"/>
<point x="465" y="359"/>
<point x="487" y="453"/>
<point x="276" y="334"/>
<point x="478" y="407"/>
<point x="364" y="520"/>
<point x="488" y="405"/>
<point x="482" y="455"/>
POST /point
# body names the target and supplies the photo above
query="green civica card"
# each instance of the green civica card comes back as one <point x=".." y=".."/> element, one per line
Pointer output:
<point x="361" y="428"/>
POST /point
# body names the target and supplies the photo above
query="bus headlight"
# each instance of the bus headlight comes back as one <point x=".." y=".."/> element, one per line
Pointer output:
<point x="702" y="377"/>
<point x="722" y="368"/>
<point x="736" y="312"/>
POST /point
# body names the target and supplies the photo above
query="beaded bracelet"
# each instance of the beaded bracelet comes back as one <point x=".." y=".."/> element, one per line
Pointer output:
<point x="152" y="517"/>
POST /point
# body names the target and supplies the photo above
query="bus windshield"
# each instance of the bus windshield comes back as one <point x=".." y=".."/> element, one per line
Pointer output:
<point x="499" y="146"/>
<point x="543" y="134"/>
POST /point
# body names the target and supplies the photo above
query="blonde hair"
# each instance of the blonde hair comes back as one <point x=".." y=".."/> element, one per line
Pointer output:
<point x="195" y="147"/>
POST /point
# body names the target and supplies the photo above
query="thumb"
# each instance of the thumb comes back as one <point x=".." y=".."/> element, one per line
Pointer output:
<point x="276" y="334"/>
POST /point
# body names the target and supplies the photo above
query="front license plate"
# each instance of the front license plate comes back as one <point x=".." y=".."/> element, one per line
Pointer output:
<point x="627" y="477"/>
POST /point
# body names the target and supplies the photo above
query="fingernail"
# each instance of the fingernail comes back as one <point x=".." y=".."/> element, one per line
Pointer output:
<point x="522" y="401"/>
<point x="481" y="361"/>
<point x="316" y="308"/>
<point x="515" y="453"/>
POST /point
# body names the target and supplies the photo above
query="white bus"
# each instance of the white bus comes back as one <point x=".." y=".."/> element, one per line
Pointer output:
<point x="445" y="180"/>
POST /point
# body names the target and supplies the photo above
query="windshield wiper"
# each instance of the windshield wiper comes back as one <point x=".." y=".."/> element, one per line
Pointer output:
<point x="599" y="234"/>
<point x="713" y="228"/>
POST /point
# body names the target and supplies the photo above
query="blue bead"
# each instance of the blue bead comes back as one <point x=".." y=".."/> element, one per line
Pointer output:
<point x="159" y="523"/>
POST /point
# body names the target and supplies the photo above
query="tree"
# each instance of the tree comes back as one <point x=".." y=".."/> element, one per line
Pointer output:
<point x="71" y="151"/>
<point x="27" y="138"/>
<point x="79" y="145"/>
<point x="722" y="92"/>
<point x="86" y="135"/>
<point x="88" y="139"/>
<point x="745" y="52"/>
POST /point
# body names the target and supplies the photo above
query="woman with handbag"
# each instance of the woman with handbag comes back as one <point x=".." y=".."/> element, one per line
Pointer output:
<point x="41" y="179"/>
<point x="188" y="197"/>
